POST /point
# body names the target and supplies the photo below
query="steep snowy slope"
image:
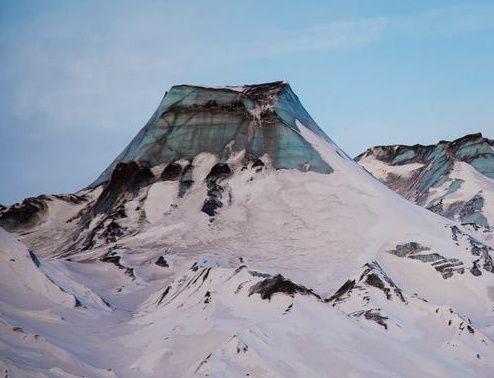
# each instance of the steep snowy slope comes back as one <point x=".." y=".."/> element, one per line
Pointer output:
<point x="454" y="179"/>
<point x="36" y="310"/>
<point x="263" y="251"/>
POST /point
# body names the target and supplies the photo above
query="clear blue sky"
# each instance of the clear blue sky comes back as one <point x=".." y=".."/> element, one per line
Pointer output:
<point x="78" y="79"/>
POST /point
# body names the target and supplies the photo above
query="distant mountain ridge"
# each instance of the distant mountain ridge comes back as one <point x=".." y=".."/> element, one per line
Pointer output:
<point x="451" y="178"/>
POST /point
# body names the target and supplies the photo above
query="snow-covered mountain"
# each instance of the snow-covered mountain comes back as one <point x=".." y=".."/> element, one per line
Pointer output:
<point x="232" y="237"/>
<point x="454" y="179"/>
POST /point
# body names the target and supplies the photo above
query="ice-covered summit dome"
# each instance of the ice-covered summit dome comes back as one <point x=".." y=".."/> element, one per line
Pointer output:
<point x="260" y="120"/>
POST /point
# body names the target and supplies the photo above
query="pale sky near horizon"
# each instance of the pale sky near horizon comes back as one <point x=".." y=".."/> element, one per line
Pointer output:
<point x="79" y="79"/>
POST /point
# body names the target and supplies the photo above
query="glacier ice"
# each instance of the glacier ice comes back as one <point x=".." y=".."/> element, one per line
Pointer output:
<point x="258" y="119"/>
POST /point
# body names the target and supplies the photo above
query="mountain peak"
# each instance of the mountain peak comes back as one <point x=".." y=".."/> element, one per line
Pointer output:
<point x="262" y="92"/>
<point x="464" y="139"/>
<point x="260" y="121"/>
<point x="388" y="151"/>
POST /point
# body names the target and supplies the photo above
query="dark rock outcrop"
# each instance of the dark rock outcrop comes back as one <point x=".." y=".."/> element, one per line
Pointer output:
<point x="172" y="172"/>
<point x="186" y="180"/>
<point x="279" y="284"/>
<point x="372" y="276"/>
<point x="372" y="315"/>
<point x="446" y="266"/>
<point x="127" y="178"/>
<point x="34" y="259"/>
<point x="25" y="214"/>
<point x="219" y="172"/>
<point x="162" y="262"/>
<point x="477" y="248"/>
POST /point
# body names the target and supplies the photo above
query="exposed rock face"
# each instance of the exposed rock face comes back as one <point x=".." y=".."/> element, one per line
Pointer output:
<point x="372" y="276"/>
<point x="477" y="249"/>
<point x="215" y="190"/>
<point x="278" y="284"/>
<point x="99" y="221"/>
<point x="126" y="178"/>
<point x="162" y="262"/>
<point x="446" y="266"/>
<point x="32" y="211"/>
<point x="172" y="172"/>
<point x="256" y="119"/>
<point x="446" y="178"/>
<point x="186" y="180"/>
<point x="27" y="213"/>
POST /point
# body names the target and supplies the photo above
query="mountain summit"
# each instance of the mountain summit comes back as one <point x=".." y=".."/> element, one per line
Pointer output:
<point x="257" y="120"/>
<point x="232" y="237"/>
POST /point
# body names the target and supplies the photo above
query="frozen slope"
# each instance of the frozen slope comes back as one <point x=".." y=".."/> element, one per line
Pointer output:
<point x="229" y="264"/>
<point x="216" y="320"/>
<point x="36" y="329"/>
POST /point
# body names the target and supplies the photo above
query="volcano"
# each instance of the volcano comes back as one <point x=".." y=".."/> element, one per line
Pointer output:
<point x="233" y="237"/>
<point x="255" y="120"/>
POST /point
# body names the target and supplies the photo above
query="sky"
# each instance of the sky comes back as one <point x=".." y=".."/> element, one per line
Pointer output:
<point x="78" y="79"/>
